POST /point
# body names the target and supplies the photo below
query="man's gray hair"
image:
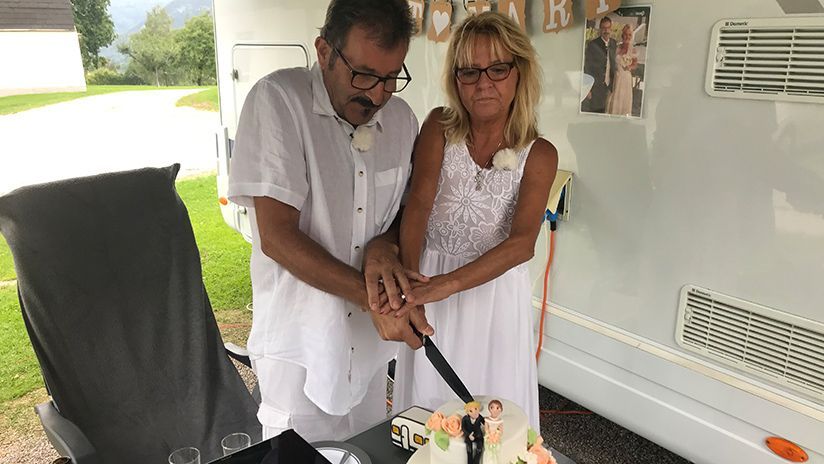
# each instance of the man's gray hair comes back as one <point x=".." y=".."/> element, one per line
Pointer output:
<point x="388" y="22"/>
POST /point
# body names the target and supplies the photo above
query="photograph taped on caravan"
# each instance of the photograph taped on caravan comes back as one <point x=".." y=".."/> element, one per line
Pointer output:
<point x="615" y="55"/>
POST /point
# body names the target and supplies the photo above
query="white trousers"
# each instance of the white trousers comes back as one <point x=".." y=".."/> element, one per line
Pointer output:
<point x="285" y="406"/>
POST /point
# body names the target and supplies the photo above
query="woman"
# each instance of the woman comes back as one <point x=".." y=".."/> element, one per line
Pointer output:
<point x="480" y="181"/>
<point x="620" y="100"/>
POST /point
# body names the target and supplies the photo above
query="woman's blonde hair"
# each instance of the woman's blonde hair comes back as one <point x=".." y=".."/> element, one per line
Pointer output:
<point x="504" y="34"/>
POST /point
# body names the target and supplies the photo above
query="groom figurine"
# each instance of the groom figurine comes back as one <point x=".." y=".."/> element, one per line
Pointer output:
<point x="472" y="425"/>
<point x="599" y="62"/>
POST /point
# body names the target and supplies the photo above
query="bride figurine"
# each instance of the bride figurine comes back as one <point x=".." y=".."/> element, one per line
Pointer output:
<point x="494" y="420"/>
<point x="493" y="429"/>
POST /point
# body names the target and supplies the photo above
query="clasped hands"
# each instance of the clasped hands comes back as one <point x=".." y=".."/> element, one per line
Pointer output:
<point x="396" y="295"/>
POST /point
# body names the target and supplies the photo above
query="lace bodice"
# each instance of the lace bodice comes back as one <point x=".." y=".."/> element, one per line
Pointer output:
<point x="465" y="221"/>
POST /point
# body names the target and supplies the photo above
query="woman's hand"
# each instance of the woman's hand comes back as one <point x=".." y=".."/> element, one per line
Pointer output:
<point x="438" y="288"/>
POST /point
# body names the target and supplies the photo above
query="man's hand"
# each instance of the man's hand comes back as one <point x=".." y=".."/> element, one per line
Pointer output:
<point x="391" y="328"/>
<point x="381" y="266"/>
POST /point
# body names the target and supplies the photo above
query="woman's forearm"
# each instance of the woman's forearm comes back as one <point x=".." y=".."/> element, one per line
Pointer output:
<point x="413" y="230"/>
<point x="492" y="264"/>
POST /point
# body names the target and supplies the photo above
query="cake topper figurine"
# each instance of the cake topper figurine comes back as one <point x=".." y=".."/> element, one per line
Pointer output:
<point x="472" y="425"/>
<point x="493" y="421"/>
<point x="493" y="429"/>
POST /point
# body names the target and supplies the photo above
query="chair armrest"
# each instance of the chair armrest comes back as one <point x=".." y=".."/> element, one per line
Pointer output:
<point x="239" y="354"/>
<point x="65" y="436"/>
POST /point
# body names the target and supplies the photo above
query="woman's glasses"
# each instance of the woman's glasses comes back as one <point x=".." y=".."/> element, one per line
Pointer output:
<point x="367" y="81"/>
<point x="496" y="72"/>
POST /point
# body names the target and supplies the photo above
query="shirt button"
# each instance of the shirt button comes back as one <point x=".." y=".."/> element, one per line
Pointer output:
<point x="349" y="315"/>
<point x="360" y="173"/>
<point x="360" y="210"/>
<point x="357" y="247"/>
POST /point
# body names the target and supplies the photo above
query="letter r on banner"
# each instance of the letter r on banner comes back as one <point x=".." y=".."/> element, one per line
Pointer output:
<point x="557" y="15"/>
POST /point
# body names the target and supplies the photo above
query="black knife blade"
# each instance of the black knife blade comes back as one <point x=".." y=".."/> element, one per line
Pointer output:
<point x="444" y="369"/>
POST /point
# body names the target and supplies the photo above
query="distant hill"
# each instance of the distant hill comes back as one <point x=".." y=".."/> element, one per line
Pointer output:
<point x="130" y="15"/>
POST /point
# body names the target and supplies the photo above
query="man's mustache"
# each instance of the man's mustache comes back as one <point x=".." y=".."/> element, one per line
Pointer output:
<point x="364" y="102"/>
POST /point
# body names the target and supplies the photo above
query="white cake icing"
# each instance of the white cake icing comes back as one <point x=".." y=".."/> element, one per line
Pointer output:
<point x="512" y="445"/>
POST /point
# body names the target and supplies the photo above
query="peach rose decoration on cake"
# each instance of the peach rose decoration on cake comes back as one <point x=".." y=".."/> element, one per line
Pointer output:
<point x="434" y="422"/>
<point x="452" y="426"/>
<point x="543" y="454"/>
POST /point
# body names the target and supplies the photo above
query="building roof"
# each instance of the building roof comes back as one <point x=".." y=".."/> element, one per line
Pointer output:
<point x="36" y="15"/>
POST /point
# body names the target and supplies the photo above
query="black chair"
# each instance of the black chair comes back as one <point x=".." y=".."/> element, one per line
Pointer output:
<point x="113" y="300"/>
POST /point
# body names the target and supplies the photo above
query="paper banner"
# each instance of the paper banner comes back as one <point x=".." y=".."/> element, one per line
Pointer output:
<point x="440" y="19"/>
<point x="557" y="15"/>
<point x="598" y="8"/>
<point x="474" y="7"/>
<point x="416" y="7"/>
<point x="515" y="9"/>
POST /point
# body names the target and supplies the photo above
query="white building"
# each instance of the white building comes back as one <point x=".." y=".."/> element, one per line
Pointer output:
<point x="39" y="48"/>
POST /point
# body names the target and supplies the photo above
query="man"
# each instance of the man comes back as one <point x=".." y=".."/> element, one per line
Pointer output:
<point x="599" y="62"/>
<point x="322" y="157"/>
<point x="472" y="425"/>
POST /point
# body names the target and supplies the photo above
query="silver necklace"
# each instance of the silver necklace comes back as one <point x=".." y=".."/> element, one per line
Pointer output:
<point x="479" y="176"/>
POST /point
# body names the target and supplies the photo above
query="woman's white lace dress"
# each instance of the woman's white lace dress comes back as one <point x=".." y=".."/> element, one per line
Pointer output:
<point x="485" y="333"/>
<point x="620" y="99"/>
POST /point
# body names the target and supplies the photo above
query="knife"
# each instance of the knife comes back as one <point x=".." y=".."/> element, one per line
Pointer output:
<point x="444" y="369"/>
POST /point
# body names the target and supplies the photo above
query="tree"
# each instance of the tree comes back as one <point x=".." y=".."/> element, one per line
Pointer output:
<point x="153" y="48"/>
<point x="196" y="49"/>
<point x="95" y="29"/>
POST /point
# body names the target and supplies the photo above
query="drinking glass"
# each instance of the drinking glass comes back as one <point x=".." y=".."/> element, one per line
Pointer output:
<point x="188" y="455"/>
<point x="235" y="442"/>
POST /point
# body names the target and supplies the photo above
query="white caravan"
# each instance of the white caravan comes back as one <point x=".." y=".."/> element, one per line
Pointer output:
<point x="686" y="298"/>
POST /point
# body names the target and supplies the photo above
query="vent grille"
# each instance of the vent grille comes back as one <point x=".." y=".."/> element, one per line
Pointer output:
<point x="771" y="344"/>
<point x="773" y="59"/>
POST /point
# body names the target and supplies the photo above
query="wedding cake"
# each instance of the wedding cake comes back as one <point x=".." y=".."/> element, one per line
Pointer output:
<point x="507" y="438"/>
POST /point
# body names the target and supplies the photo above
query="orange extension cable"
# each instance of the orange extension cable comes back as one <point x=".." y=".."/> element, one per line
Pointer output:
<point x="543" y="300"/>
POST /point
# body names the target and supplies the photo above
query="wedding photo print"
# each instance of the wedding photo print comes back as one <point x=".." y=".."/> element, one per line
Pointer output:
<point x="615" y="52"/>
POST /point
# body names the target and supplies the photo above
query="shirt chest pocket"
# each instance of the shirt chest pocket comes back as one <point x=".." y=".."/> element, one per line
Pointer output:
<point x="388" y="188"/>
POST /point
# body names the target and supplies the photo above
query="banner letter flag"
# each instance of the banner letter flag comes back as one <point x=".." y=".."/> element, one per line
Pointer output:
<point x="557" y="15"/>
<point x="416" y="7"/>
<point x="474" y="7"/>
<point x="598" y="8"/>
<point x="440" y="19"/>
<point x="515" y="9"/>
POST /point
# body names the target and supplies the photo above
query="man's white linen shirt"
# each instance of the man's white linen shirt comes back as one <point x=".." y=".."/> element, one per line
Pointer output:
<point x="293" y="147"/>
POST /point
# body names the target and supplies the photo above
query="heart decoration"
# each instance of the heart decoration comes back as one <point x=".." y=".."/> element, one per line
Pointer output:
<point x="440" y="21"/>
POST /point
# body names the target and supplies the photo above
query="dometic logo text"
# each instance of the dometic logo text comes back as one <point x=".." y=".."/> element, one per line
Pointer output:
<point x="737" y="23"/>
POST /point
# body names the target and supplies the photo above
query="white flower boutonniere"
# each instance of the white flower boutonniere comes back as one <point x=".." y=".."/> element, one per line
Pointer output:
<point x="363" y="138"/>
<point x="505" y="160"/>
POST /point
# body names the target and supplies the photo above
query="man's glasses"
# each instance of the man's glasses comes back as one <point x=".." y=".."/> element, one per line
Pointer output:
<point x="367" y="81"/>
<point x="496" y="72"/>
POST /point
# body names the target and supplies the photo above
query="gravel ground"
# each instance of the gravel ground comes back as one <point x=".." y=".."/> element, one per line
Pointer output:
<point x="592" y="439"/>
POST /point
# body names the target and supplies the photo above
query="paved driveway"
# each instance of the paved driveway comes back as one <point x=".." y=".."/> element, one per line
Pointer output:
<point x="104" y="133"/>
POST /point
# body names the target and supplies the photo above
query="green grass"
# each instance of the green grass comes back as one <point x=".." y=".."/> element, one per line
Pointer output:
<point x="206" y="100"/>
<point x="18" y="103"/>
<point x="224" y="254"/>
<point x="6" y="264"/>
<point x="19" y="372"/>
<point x="224" y="257"/>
